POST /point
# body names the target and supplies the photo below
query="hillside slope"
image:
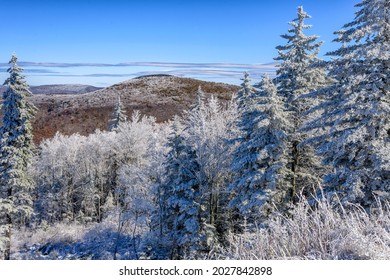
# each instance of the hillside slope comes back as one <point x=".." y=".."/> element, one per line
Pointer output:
<point x="158" y="96"/>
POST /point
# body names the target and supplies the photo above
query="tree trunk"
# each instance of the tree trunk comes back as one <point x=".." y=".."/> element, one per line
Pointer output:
<point x="7" y="250"/>
<point x="119" y="230"/>
<point x="294" y="167"/>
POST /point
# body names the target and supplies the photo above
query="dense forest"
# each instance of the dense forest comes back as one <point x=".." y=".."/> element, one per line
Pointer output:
<point x="294" y="166"/>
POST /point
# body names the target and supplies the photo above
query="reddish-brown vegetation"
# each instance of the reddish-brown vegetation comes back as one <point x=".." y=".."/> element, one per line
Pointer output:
<point x="158" y="96"/>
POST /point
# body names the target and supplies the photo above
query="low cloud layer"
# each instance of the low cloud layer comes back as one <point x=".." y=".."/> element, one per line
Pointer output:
<point x="228" y="72"/>
<point x="146" y="64"/>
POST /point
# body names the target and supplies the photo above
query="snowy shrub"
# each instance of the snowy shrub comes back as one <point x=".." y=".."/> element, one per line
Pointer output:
<point x="317" y="233"/>
<point x="77" y="241"/>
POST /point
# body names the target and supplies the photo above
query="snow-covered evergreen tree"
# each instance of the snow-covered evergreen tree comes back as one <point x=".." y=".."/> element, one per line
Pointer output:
<point x="180" y="226"/>
<point x="246" y="91"/>
<point x="300" y="73"/>
<point x="16" y="151"/>
<point x="260" y="160"/>
<point x="118" y="116"/>
<point x="357" y="109"/>
<point x="244" y="100"/>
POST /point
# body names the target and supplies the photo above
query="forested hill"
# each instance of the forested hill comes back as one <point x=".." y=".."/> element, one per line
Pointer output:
<point x="159" y="96"/>
<point x="59" y="89"/>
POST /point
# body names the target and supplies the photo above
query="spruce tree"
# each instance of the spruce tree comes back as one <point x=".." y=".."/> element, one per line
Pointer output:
<point x="262" y="179"/>
<point x="118" y="116"/>
<point x="16" y="151"/>
<point x="300" y="72"/>
<point x="357" y="109"/>
<point x="245" y="92"/>
<point x="178" y="219"/>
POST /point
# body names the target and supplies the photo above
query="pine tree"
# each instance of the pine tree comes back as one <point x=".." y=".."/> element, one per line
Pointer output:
<point x="300" y="73"/>
<point x="178" y="199"/>
<point x="16" y="151"/>
<point x="260" y="160"/>
<point x="357" y="109"/>
<point x="239" y="102"/>
<point x="245" y="92"/>
<point x="243" y="126"/>
<point x="118" y="116"/>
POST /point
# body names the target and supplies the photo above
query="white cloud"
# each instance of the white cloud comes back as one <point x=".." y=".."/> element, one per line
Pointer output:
<point x="225" y="72"/>
<point x="147" y="64"/>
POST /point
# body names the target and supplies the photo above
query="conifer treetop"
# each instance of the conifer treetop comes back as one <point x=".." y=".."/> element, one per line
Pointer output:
<point x="296" y="74"/>
<point x="119" y="116"/>
<point x="245" y="92"/>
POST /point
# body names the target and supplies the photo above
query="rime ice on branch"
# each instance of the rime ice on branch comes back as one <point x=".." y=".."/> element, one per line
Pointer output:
<point x="357" y="108"/>
<point x="16" y="151"/>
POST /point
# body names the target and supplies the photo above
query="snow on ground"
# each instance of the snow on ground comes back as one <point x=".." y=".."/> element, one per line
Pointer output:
<point x="75" y="242"/>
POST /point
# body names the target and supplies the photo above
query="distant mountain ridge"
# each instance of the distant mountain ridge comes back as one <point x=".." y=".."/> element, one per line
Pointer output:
<point x="60" y="89"/>
<point x="63" y="89"/>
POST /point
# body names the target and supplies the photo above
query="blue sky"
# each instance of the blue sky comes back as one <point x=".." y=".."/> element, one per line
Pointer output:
<point x="105" y="42"/>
